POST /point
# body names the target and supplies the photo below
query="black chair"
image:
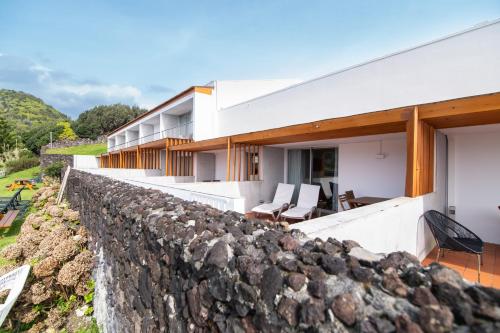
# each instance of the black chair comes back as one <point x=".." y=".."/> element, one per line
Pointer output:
<point x="451" y="235"/>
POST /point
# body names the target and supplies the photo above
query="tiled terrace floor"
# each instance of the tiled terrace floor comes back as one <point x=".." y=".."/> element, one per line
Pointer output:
<point x="466" y="264"/>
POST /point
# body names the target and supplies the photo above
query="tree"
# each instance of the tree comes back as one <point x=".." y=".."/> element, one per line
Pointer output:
<point x="39" y="136"/>
<point x="103" y="119"/>
<point x="7" y="135"/>
<point x="67" y="132"/>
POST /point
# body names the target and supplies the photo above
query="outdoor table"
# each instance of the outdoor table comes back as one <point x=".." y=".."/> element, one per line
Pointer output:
<point x="365" y="201"/>
<point x="18" y="183"/>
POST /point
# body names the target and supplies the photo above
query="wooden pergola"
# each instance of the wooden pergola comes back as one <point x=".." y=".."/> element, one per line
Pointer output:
<point x="243" y="150"/>
<point x="148" y="156"/>
<point x="418" y="121"/>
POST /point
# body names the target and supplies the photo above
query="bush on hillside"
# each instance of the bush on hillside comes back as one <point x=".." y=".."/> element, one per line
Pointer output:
<point x="7" y="135"/>
<point x="39" y="136"/>
<point x="54" y="170"/>
<point x="67" y="132"/>
<point x="23" y="163"/>
<point x="103" y="119"/>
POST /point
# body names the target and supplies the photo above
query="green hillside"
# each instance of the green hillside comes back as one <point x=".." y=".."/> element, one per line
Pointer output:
<point x="24" y="110"/>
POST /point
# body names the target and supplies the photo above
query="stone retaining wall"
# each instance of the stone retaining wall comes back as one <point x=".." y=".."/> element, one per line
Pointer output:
<point x="172" y="266"/>
<point x="48" y="159"/>
<point x="72" y="143"/>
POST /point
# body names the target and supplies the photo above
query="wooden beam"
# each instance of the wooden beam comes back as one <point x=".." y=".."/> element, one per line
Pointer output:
<point x="412" y="154"/>
<point x="432" y="154"/>
<point x="239" y="162"/>
<point x="191" y="173"/>
<point x="420" y="166"/>
<point x="228" y="165"/>
<point x="174" y="168"/>
<point x="247" y="158"/>
<point x="234" y="162"/>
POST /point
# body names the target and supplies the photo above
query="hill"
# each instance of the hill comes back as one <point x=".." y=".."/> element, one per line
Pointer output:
<point x="23" y="110"/>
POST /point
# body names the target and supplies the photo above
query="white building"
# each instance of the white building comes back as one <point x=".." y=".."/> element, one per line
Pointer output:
<point x="420" y="126"/>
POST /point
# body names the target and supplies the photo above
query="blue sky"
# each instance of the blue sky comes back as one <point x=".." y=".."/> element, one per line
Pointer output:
<point x="77" y="54"/>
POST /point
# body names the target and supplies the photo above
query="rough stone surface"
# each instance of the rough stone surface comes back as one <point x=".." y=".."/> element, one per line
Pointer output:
<point x="365" y="255"/>
<point x="176" y="266"/>
<point x="344" y="307"/>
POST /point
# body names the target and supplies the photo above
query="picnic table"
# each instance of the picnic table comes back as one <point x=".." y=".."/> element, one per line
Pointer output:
<point x="19" y="183"/>
<point x="9" y="209"/>
<point x="365" y="201"/>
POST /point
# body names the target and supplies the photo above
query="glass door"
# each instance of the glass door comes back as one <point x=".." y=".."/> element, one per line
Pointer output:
<point x="299" y="166"/>
<point x="317" y="167"/>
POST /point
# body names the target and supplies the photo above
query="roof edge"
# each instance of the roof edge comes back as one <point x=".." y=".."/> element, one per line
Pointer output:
<point x="193" y="89"/>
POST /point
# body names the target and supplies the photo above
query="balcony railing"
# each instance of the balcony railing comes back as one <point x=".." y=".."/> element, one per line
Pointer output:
<point x="184" y="131"/>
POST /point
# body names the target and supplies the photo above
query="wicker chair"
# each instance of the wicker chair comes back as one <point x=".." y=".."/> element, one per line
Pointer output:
<point x="451" y="235"/>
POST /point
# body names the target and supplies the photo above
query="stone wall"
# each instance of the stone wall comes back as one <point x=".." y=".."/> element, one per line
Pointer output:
<point x="48" y="159"/>
<point x="72" y="143"/>
<point x="172" y="266"/>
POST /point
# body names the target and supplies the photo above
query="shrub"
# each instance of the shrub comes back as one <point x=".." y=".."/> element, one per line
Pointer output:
<point x="54" y="170"/>
<point x="23" y="163"/>
<point x="67" y="132"/>
<point x="39" y="136"/>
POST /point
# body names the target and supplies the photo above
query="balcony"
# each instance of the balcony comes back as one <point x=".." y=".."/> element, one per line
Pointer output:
<point x="184" y="131"/>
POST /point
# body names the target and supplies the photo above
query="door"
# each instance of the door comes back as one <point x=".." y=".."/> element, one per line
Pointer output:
<point x="318" y="167"/>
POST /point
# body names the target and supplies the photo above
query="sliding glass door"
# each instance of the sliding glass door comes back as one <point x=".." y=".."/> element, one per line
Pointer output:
<point x="317" y="167"/>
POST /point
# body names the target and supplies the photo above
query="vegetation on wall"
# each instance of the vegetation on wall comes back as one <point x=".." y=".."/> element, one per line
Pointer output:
<point x="103" y="119"/>
<point x="54" y="170"/>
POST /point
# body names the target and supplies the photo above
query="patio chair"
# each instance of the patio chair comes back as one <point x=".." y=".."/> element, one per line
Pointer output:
<point x="306" y="205"/>
<point x="350" y="195"/>
<point x="281" y="201"/>
<point x="451" y="235"/>
<point x="344" y="202"/>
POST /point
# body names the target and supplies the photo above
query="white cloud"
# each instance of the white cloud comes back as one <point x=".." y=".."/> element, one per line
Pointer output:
<point x="110" y="90"/>
<point x="62" y="90"/>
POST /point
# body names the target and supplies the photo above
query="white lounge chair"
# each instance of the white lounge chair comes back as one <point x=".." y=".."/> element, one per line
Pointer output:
<point x="306" y="205"/>
<point x="281" y="201"/>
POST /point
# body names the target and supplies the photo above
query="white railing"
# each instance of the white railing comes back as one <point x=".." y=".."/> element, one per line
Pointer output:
<point x="184" y="131"/>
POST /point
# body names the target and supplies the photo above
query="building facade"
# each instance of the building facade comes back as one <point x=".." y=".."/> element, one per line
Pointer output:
<point x="421" y="126"/>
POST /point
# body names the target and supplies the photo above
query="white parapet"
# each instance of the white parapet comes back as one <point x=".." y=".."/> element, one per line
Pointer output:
<point x="393" y="225"/>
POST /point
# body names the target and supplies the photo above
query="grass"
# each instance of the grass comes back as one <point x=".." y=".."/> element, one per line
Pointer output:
<point x="28" y="173"/>
<point x="94" y="149"/>
<point x="9" y="236"/>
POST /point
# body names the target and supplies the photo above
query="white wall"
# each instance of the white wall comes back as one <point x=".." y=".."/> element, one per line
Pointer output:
<point x="204" y="116"/>
<point x="463" y="65"/>
<point x="131" y="137"/>
<point x="394" y="225"/>
<point x="85" y="161"/>
<point x="272" y="166"/>
<point x="220" y="165"/>
<point x="231" y="92"/>
<point x="474" y="181"/>
<point x="362" y="172"/>
<point x="204" y="166"/>
<point x="144" y="130"/>
<point x="123" y="173"/>
<point x="168" y="121"/>
<point x="119" y="140"/>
